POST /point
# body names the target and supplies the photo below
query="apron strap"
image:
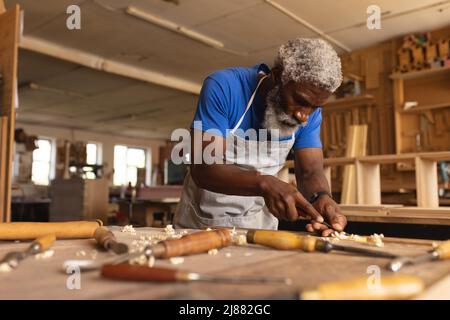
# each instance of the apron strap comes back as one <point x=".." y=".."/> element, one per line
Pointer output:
<point x="249" y="104"/>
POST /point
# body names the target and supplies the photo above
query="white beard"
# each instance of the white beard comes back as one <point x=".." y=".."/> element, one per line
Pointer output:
<point x="275" y="118"/>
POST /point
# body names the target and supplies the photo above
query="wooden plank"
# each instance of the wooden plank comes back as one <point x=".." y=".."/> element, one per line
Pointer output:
<point x="368" y="182"/>
<point x="356" y="146"/>
<point x="3" y="162"/>
<point x="426" y="183"/>
<point x="9" y="36"/>
<point x="420" y="74"/>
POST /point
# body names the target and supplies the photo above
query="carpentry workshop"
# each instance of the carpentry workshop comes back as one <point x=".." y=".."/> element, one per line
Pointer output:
<point x="223" y="151"/>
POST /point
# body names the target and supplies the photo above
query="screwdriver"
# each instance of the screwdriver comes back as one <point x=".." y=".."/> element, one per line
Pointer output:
<point x="107" y="240"/>
<point x="284" y="240"/>
<point x="441" y="252"/>
<point x="389" y="287"/>
<point x="125" y="271"/>
<point x="12" y="259"/>
<point x="195" y="243"/>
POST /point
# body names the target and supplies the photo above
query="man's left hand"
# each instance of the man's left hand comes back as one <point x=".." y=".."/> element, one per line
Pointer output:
<point x="331" y="212"/>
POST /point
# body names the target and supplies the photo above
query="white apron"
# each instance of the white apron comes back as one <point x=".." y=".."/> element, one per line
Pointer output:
<point x="200" y="208"/>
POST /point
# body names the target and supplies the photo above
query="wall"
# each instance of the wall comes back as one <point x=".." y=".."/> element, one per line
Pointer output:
<point x="107" y="140"/>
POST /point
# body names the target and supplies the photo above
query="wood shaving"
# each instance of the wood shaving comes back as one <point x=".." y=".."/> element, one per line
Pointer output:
<point x="128" y="229"/>
<point x="169" y="230"/>
<point x="176" y="260"/>
<point x="375" y="239"/>
<point x="93" y="254"/>
<point x="4" y="268"/>
<point x="213" y="252"/>
<point x="248" y="254"/>
<point x="80" y="253"/>
<point x="228" y="255"/>
<point x="141" y="260"/>
<point x="151" y="262"/>
<point x="208" y="229"/>
<point x="241" y="240"/>
<point x="44" y="255"/>
<point x="233" y="232"/>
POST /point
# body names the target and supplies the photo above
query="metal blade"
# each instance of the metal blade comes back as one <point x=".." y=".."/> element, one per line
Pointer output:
<point x="238" y="279"/>
<point x="364" y="251"/>
<point x="396" y="264"/>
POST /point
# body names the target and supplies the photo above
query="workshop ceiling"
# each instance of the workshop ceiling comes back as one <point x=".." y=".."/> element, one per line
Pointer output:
<point x="62" y="93"/>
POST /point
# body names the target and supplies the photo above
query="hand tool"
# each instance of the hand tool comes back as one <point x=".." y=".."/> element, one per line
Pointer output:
<point x="284" y="240"/>
<point x="125" y="271"/>
<point x="107" y="240"/>
<point x="62" y="230"/>
<point x="441" y="252"/>
<point x="199" y="242"/>
<point x="41" y="244"/>
<point x="389" y="287"/>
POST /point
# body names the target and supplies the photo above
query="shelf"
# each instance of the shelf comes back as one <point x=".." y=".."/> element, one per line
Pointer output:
<point x="348" y="102"/>
<point x="419" y="74"/>
<point x="426" y="107"/>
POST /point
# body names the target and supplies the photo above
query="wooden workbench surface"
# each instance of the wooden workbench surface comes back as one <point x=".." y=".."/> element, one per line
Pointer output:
<point x="46" y="279"/>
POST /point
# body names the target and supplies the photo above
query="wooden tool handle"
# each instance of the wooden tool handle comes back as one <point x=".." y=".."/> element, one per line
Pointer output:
<point x="389" y="287"/>
<point x="125" y="271"/>
<point x="46" y="242"/>
<point x="103" y="235"/>
<point x="195" y="243"/>
<point x="284" y="240"/>
<point x="62" y="230"/>
<point x="444" y="250"/>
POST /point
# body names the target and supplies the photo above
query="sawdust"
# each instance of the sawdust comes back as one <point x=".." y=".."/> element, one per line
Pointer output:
<point x="44" y="255"/>
<point x="228" y="255"/>
<point x="169" y="230"/>
<point x="80" y="253"/>
<point x="241" y="240"/>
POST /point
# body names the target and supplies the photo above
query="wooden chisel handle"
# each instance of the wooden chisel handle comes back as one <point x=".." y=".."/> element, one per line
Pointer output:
<point x="389" y="287"/>
<point x="45" y="242"/>
<point x="284" y="240"/>
<point x="103" y="236"/>
<point x="199" y="242"/>
<point x="443" y="250"/>
<point x="125" y="271"/>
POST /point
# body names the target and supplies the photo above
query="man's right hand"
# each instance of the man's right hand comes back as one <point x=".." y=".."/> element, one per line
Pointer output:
<point x="285" y="201"/>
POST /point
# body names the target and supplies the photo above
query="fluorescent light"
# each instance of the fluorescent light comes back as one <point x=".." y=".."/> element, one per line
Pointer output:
<point x="172" y="26"/>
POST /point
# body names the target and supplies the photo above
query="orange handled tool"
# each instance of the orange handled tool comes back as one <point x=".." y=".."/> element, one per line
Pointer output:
<point x="388" y="288"/>
<point x="41" y="244"/>
<point x="129" y="272"/>
<point x="284" y="240"/>
<point x="441" y="252"/>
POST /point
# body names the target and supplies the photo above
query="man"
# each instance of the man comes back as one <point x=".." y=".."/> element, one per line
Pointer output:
<point x="245" y="192"/>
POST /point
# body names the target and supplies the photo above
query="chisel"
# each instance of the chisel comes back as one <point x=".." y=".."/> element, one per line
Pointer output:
<point x="284" y="240"/>
<point x="388" y="288"/>
<point x="441" y="252"/>
<point x="12" y="259"/>
<point x="107" y="240"/>
<point x="195" y="243"/>
<point x="125" y="271"/>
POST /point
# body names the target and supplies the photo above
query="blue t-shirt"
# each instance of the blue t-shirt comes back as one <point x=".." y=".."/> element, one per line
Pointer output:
<point x="224" y="97"/>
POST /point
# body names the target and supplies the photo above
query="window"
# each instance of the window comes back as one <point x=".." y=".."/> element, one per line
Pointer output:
<point x="41" y="170"/>
<point x="92" y="153"/>
<point x="127" y="162"/>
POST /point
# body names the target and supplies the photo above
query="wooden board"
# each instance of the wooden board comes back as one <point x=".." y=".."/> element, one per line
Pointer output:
<point x="305" y="270"/>
<point x="9" y="36"/>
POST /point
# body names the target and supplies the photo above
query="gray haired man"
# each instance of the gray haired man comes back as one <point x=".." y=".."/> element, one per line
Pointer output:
<point x="245" y="192"/>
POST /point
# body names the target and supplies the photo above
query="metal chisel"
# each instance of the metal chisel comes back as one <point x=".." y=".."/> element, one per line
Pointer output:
<point x="284" y="240"/>
<point x="441" y="252"/>
<point x="12" y="259"/>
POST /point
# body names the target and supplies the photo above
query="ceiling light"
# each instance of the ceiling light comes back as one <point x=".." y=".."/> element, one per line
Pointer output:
<point x="174" y="27"/>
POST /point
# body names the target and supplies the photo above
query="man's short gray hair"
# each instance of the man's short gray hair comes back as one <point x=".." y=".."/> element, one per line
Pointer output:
<point x="312" y="61"/>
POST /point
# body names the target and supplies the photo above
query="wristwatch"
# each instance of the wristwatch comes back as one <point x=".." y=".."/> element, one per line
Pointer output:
<point x="318" y="194"/>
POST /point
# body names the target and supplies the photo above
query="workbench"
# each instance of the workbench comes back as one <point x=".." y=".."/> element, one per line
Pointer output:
<point x="46" y="278"/>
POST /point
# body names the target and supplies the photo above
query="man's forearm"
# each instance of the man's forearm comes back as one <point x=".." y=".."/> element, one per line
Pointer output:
<point x="227" y="179"/>
<point x="310" y="182"/>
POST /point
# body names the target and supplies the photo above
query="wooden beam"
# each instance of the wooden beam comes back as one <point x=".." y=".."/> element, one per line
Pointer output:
<point x="9" y="37"/>
<point x="368" y="183"/>
<point x="427" y="183"/>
